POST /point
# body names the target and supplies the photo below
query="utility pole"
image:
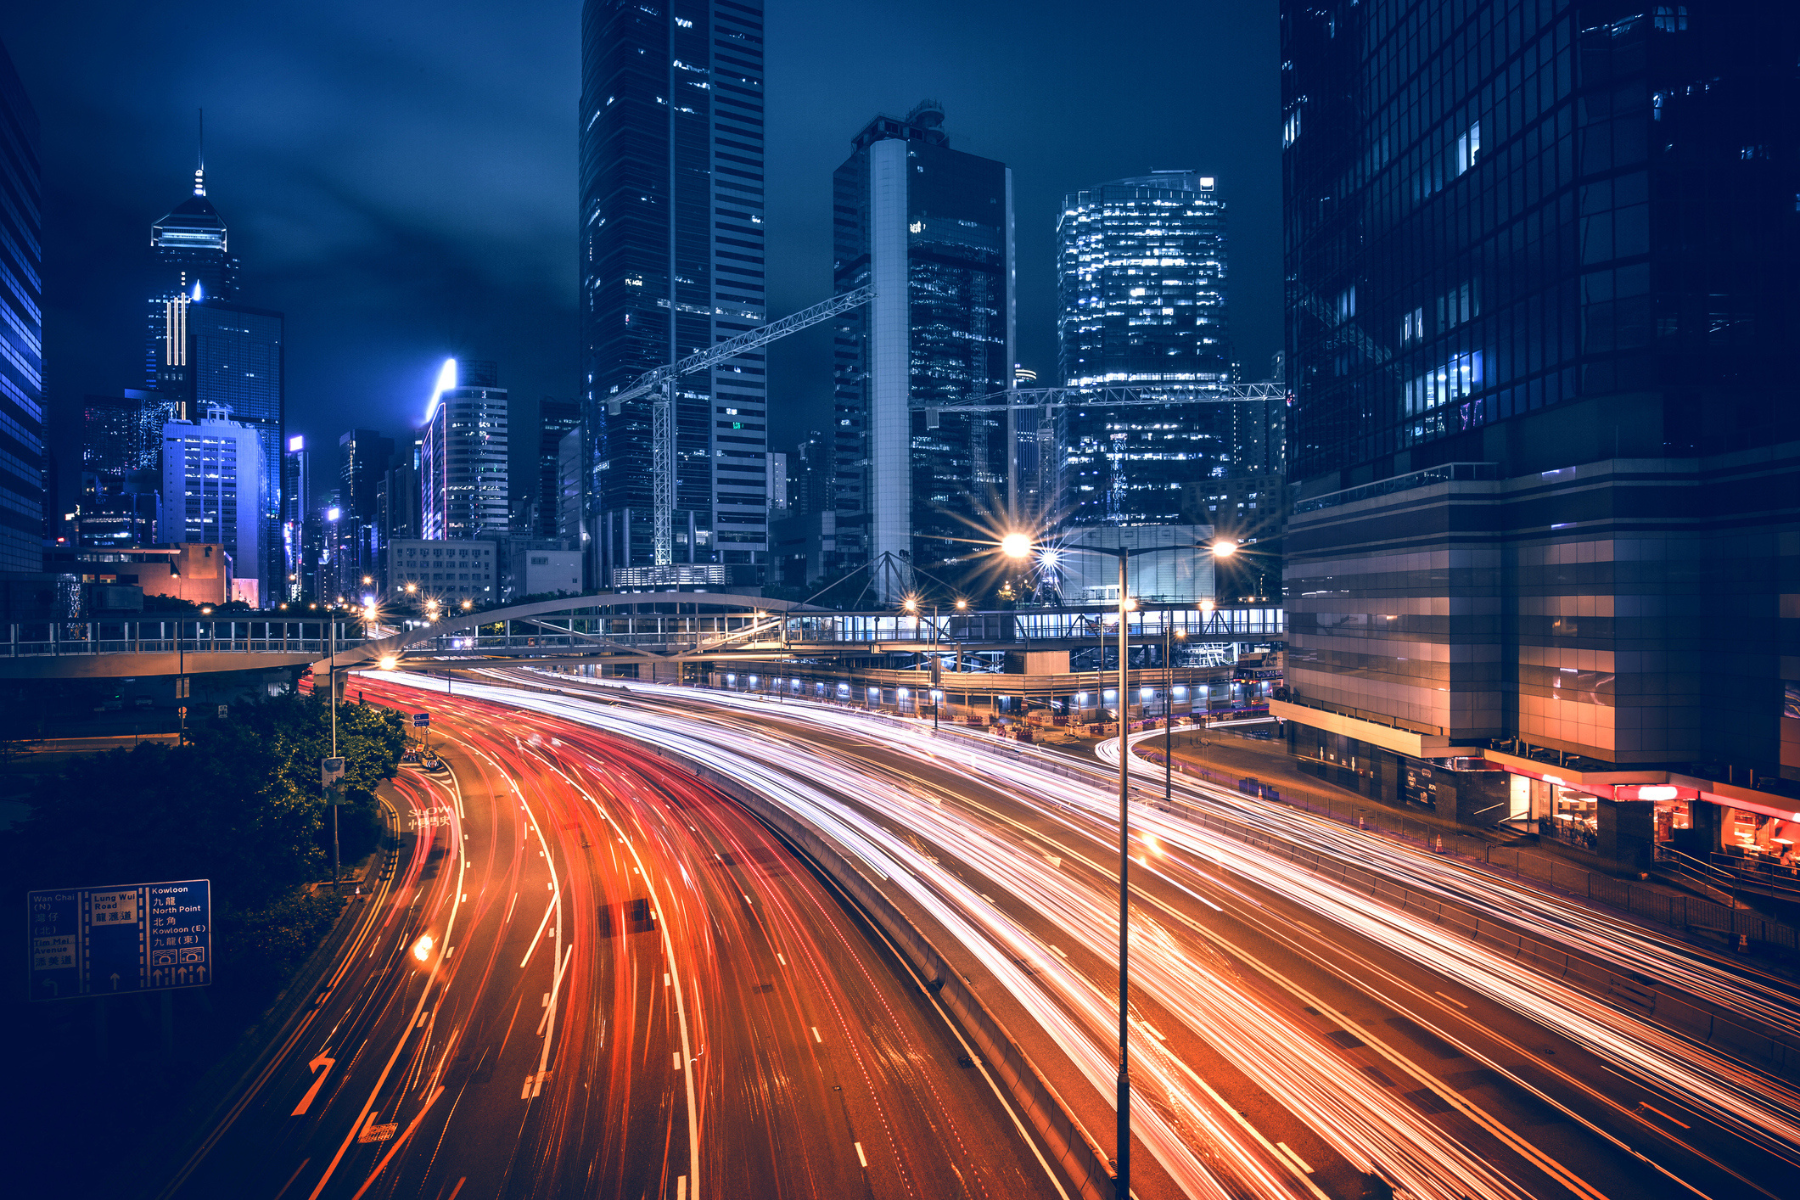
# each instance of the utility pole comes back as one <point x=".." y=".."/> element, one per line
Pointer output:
<point x="331" y="689"/>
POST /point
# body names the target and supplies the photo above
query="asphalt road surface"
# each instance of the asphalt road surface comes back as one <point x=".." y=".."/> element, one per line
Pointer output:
<point x="588" y="974"/>
<point x="1291" y="1036"/>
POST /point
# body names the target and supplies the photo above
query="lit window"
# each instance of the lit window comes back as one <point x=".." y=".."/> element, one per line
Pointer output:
<point x="1468" y="148"/>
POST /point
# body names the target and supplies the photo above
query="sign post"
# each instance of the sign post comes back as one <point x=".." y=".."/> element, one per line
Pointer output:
<point x="136" y="937"/>
<point x="331" y="779"/>
<point x="423" y="721"/>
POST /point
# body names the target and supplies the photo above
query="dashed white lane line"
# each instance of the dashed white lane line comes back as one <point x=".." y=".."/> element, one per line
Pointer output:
<point x="816" y="1036"/>
<point x="859" y="1155"/>
<point x="1297" y="1160"/>
<point x="780" y="959"/>
<point x="1451" y="999"/>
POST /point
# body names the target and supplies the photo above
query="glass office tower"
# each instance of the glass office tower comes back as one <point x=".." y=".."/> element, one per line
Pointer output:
<point x="463" y="459"/>
<point x="931" y="228"/>
<point x="671" y="262"/>
<point x="1141" y="297"/>
<point x="21" y="311"/>
<point x="1541" y="264"/>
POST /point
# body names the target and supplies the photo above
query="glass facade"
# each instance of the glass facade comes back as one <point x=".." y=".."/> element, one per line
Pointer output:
<point x="235" y="358"/>
<point x="212" y="487"/>
<point x="672" y="261"/>
<point x="21" y="312"/>
<point x="1541" y="259"/>
<point x="909" y="479"/>
<point x="464" y="458"/>
<point x="1141" y="273"/>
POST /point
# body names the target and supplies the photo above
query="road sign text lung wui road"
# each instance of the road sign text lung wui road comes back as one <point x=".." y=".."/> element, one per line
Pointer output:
<point x="133" y="937"/>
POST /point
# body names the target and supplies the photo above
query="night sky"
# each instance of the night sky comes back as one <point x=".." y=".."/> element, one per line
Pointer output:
<point x="399" y="177"/>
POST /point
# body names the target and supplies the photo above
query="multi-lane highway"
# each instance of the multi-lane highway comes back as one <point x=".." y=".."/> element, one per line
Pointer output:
<point x="1292" y="1035"/>
<point x="588" y="974"/>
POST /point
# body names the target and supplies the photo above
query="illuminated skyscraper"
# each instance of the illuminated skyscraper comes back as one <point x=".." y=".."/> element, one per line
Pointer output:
<point x="671" y="262"/>
<point x="1540" y="269"/>
<point x="212" y="483"/>
<point x="207" y="351"/>
<point x="463" y="456"/>
<point x="931" y="228"/>
<point x="21" y="317"/>
<point x="1141" y="297"/>
<point x="296" y="514"/>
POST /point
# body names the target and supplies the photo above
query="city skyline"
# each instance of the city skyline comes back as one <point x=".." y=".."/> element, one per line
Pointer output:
<point x="323" y="228"/>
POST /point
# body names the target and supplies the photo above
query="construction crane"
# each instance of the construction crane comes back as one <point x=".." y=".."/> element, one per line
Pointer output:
<point x="662" y="414"/>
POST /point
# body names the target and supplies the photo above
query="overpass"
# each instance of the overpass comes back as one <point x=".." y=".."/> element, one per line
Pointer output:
<point x="723" y="629"/>
<point x="165" y="646"/>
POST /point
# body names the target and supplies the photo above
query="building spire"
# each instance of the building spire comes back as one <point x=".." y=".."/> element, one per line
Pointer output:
<point x="200" y="171"/>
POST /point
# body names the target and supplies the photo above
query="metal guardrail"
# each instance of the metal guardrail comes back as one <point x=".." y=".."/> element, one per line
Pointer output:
<point x="59" y="638"/>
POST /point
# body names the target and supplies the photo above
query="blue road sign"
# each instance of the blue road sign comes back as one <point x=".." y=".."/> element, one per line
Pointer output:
<point x="134" y="937"/>
<point x="421" y="720"/>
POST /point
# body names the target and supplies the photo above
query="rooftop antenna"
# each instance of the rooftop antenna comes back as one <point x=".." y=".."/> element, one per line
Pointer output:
<point x="200" y="171"/>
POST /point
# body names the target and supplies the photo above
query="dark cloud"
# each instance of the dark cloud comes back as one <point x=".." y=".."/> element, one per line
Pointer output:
<point x="399" y="178"/>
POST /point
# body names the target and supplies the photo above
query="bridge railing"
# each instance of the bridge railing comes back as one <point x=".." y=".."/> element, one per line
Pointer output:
<point x="32" y="639"/>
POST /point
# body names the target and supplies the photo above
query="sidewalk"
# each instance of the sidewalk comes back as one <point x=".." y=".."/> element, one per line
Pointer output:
<point x="1227" y="759"/>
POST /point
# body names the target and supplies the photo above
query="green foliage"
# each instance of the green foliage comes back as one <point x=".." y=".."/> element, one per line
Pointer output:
<point x="241" y="805"/>
<point x="264" y="946"/>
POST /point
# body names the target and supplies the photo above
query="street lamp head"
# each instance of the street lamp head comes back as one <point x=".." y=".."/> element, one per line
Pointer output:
<point x="206" y="610"/>
<point x="389" y="662"/>
<point x="1049" y="559"/>
<point x="1206" y="606"/>
<point x="1224" y="548"/>
<point x="962" y="603"/>
<point x="1016" y="545"/>
<point x="910" y="604"/>
<point x="467" y="604"/>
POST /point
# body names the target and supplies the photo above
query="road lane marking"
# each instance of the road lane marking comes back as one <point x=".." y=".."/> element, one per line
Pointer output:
<point x="509" y="908"/>
<point x="780" y="959"/>
<point x="539" y="935"/>
<point x="525" y="1092"/>
<point x="680" y="1187"/>
<point x="1659" y="1112"/>
<point x="677" y="1058"/>
<point x="816" y="1036"/>
<point x="1295" y="1158"/>
<point x="1451" y="999"/>
<point x="1056" y="951"/>
<point x="859" y="1155"/>
<point x="398" y="1142"/>
<point x="665" y="979"/>
<point x="313" y="1091"/>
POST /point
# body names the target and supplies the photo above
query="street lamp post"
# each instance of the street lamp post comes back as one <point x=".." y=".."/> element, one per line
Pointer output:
<point x="1169" y="636"/>
<point x="1018" y="546"/>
